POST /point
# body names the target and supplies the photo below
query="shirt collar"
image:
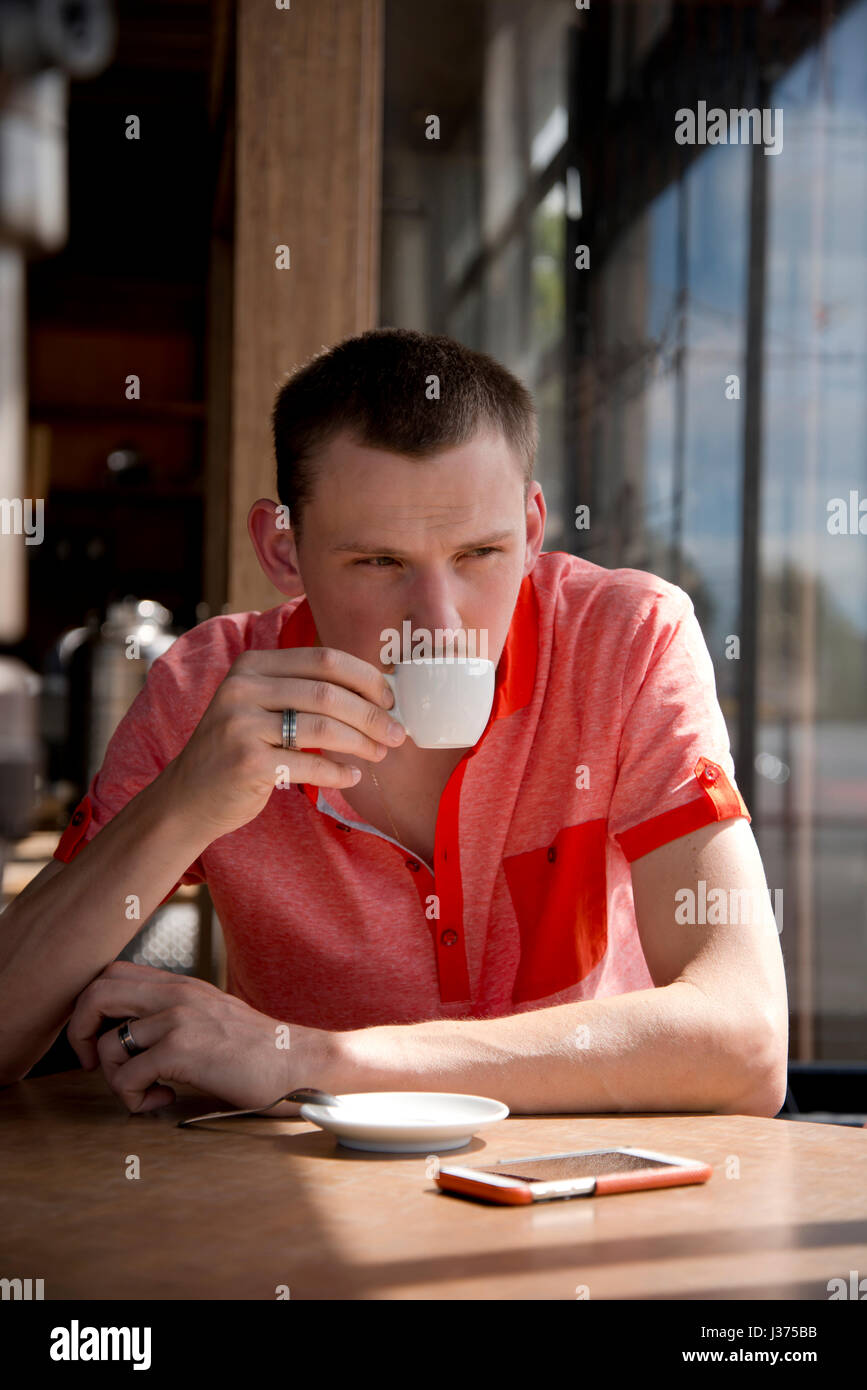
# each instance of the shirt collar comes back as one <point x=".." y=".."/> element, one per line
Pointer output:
<point x="516" y="670"/>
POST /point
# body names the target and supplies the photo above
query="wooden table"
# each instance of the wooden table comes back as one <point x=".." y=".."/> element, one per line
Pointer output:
<point x="234" y="1208"/>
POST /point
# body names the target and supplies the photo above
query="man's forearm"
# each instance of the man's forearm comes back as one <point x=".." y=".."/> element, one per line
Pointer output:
<point x="652" y="1050"/>
<point x="55" y="941"/>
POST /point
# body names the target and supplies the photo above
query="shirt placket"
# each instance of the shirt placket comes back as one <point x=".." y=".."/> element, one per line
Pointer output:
<point x="440" y="892"/>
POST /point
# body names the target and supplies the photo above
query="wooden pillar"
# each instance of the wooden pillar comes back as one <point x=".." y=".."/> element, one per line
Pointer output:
<point x="308" y="118"/>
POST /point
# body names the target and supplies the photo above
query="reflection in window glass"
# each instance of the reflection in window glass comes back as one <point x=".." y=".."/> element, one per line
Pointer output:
<point x="717" y="193"/>
<point x="548" y="250"/>
<point x="502" y="170"/>
<point x="503" y="297"/>
<point x="547" y="77"/>
<point x="465" y="321"/>
<point x="458" y="202"/>
<point x="812" y="740"/>
<point x="624" y="365"/>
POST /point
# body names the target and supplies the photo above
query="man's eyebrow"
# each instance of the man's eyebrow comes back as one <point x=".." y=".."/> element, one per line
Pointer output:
<point x="356" y="547"/>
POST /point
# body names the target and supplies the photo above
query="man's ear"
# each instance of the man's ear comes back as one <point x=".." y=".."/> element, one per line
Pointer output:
<point x="536" y="514"/>
<point x="274" y="544"/>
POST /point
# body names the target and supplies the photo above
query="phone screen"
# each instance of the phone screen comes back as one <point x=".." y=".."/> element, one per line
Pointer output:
<point x="587" y="1165"/>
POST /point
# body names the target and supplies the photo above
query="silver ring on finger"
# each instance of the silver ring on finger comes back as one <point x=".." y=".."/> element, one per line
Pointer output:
<point x="290" y="723"/>
<point x="126" y="1037"/>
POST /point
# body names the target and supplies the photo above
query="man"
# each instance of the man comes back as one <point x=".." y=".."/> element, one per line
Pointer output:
<point x="503" y="920"/>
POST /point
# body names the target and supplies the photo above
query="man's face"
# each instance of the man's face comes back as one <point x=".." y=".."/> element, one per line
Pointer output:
<point x="443" y="542"/>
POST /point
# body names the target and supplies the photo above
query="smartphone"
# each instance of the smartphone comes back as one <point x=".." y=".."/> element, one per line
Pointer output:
<point x="584" y="1173"/>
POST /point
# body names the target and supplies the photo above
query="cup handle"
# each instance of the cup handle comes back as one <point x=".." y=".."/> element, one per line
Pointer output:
<point x="394" y="712"/>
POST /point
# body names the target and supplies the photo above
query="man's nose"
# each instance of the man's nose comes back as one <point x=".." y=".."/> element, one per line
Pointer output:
<point x="432" y="607"/>
<point x="440" y="621"/>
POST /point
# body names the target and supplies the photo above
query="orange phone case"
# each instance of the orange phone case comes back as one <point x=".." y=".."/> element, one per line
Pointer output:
<point x="516" y="1191"/>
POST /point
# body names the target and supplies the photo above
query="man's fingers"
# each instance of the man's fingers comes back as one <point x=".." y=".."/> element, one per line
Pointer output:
<point x="319" y="664"/>
<point x="134" y="1079"/>
<point x="111" y="997"/>
<point x="326" y="700"/>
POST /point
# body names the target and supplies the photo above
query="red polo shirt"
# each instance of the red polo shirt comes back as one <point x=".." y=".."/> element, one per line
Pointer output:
<point x="605" y="740"/>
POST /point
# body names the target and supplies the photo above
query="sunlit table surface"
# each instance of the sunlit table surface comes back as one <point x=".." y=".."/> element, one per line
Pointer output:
<point x="259" y="1208"/>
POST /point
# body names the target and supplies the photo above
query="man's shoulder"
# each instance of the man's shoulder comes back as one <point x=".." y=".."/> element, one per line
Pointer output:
<point x="200" y="658"/>
<point x="581" y="592"/>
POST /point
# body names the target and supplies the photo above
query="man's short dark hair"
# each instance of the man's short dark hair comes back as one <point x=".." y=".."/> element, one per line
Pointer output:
<point x="376" y="387"/>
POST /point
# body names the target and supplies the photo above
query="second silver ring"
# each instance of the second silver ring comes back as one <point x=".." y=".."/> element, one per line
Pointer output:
<point x="290" y="723"/>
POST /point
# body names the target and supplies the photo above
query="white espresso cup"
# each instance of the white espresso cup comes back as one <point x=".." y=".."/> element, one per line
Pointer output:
<point x="443" y="703"/>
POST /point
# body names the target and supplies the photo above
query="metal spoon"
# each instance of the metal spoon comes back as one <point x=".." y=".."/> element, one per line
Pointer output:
<point x="305" y="1095"/>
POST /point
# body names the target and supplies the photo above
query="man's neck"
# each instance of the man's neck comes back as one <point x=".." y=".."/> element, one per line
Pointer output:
<point x="427" y="764"/>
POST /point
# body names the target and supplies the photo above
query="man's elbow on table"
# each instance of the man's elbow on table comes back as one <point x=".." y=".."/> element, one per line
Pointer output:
<point x="734" y="966"/>
<point x="763" y="1064"/>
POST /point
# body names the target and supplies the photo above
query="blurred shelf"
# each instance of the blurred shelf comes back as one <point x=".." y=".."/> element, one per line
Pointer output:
<point x="117" y="492"/>
<point x="61" y="293"/>
<point x="129" y="412"/>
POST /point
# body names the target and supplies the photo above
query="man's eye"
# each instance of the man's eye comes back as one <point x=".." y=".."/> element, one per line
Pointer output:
<point x="482" y="550"/>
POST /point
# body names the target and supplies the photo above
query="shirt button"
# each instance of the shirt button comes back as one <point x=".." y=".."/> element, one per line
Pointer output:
<point x="449" y="937"/>
<point x="78" y="818"/>
<point x="341" y="826"/>
<point x="711" y="774"/>
<point x="413" y="864"/>
<point x="552" y="855"/>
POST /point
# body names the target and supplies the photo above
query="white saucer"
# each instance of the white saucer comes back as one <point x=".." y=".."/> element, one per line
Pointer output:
<point x="406" y="1122"/>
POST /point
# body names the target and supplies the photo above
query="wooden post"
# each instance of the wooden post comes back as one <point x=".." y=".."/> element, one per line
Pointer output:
<point x="308" y="162"/>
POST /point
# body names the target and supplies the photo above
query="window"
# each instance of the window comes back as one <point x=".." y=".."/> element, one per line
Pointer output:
<point x="700" y="378"/>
